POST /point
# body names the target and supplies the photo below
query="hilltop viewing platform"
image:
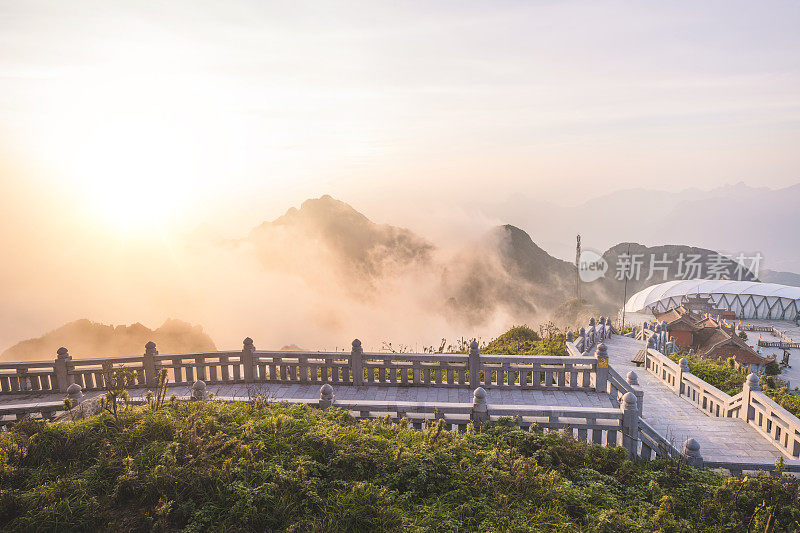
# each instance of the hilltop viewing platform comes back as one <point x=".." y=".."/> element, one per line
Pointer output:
<point x="658" y="409"/>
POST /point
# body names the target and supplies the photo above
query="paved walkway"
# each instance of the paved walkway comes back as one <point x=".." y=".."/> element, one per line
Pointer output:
<point x="721" y="439"/>
<point x="277" y="392"/>
<point x="792" y="375"/>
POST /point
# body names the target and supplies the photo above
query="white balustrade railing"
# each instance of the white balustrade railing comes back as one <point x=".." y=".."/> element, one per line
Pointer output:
<point x="575" y="372"/>
<point x="752" y="406"/>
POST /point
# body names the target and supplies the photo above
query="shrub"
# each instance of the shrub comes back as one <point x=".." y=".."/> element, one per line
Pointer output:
<point x="255" y="467"/>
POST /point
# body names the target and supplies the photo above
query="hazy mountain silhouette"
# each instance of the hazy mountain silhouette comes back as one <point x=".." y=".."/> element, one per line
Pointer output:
<point x="669" y="257"/>
<point x="330" y="234"/>
<point x="84" y="338"/>
<point x="501" y="271"/>
<point x="782" y="278"/>
<point x="734" y="218"/>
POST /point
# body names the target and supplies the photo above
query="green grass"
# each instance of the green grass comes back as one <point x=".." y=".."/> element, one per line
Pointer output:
<point x="522" y="340"/>
<point x="254" y="467"/>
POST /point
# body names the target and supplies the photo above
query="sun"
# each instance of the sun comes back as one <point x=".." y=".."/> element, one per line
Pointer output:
<point x="135" y="171"/>
<point x="131" y="145"/>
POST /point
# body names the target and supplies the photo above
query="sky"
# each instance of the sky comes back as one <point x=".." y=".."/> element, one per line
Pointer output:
<point x="124" y="124"/>
<point x="255" y="106"/>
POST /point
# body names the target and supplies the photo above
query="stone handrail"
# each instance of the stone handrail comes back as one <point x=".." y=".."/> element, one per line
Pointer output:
<point x="770" y="420"/>
<point x="774" y="423"/>
<point x="653" y="444"/>
<point x="355" y="368"/>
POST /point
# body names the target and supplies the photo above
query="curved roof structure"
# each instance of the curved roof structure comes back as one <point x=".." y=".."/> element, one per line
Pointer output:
<point x="749" y="299"/>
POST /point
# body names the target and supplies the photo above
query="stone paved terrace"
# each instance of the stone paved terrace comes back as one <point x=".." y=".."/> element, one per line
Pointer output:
<point x="279" y="392"/>
<point x="721" y="439"/>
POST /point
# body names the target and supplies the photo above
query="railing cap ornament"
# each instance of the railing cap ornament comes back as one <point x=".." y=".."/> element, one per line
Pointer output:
<point x="752" y="382"/>
<point x="326" y="391"/>
<point x="632" y="378"/>
<point x="602" y="351"/>
<point x="592" y="322"/>
<point x="479" y="394"/>
<point x="75" y="388"/>
<point x="474" y="345"/>
<point x="356" y="343"/>
<point x="684" y="364"/>
<point x="691" y="447"/>
<point x="150" y="346"/>
<point x="570" y="337"/>
<point x="248" y="342"/>
<point x="629" y="401"/>
<point x="62" y="353"/>
<point x="199" y="390"/>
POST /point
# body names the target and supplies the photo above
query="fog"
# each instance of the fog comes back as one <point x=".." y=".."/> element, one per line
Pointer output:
<point x="281" y="288"/>
<point x="141" y="144"/>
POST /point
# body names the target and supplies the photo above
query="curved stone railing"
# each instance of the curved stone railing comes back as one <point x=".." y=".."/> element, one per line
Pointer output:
<point x="355" y="368"/>
<point x="752" y="406"/>
<point x="587" y="338"/>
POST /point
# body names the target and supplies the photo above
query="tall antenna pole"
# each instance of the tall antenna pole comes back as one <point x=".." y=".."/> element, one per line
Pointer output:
<point x="578" y="269"/>
<point x="625" y="297"/>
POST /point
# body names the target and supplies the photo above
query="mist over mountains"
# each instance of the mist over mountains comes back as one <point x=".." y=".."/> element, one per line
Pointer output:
<point x="324" y="273"/>
<point x="498" y="272"/>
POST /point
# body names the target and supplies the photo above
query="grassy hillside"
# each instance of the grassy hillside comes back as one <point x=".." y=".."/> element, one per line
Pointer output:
<point x="522" y="340"/>
<point x="255" y="467"/>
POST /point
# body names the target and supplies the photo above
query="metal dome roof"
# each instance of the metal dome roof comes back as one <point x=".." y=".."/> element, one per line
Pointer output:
<point x="656" y="293"/>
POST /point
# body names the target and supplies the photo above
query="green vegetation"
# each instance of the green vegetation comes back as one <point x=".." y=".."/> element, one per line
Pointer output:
<point x="724" y="375"/>
<point x="522" y="340"/>
<point x="199" y="466"/>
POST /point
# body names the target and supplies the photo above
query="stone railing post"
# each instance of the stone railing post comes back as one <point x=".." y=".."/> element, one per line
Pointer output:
<point x="149" y="364"/>
<point x="75" y="394"/>
<point x="683" y="368"/>
<point x="582" y="335"/>
<point x="357" y="362"/>
<point x="630" y="424"/>
<point x="474" y="366"/>
<point x="63" y="366"/>
<point x="601" y="372"/>
<point x="602" y="323"/>
<point x="325" y="396"/>
<point x="480" y="409"/>
<point x="199" y="390"/>
<point x="691" y="453"/>
<point x="633" y="380"/>
<point x="751" y="385"/>
<point x="248" y="360"/>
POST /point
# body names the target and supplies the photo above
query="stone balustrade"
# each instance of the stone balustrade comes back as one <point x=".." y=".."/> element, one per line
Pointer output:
<point x="354" y="368"/>
<point x="752" y="406"/>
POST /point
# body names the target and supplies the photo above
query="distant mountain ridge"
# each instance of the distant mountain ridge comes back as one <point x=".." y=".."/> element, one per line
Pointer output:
<point x="500" y="271"/>
<point x="732" y="219"/>
<point x="330" y="232"/>
<point x="85" y="338"/>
